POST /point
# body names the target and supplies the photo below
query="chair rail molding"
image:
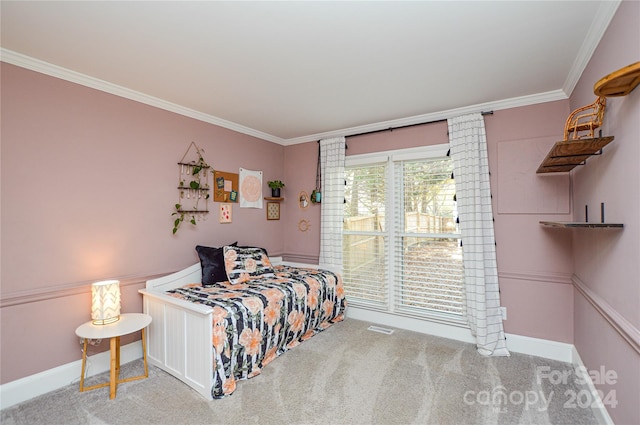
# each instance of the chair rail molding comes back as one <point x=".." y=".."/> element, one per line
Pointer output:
<point x="538" y="276"/>
<point x="60" y="291"/>
<point x="626" y="329"/>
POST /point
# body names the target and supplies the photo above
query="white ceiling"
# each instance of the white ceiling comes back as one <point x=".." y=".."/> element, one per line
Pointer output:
<point x="292" y="72"/>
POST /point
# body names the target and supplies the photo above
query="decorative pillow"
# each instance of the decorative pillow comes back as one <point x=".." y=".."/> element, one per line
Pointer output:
<point x="241" y="246"/>
<point x="243" y="264"/>
<point x="212" y="264"/>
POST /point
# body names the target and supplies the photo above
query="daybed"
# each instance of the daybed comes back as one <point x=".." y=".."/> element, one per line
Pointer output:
<point x="212" y="336"/>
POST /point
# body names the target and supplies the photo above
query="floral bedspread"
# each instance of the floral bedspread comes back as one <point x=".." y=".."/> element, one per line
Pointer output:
<point x="255" y="322"/>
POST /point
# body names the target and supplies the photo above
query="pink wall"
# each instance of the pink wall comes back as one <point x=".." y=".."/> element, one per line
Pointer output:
<point x="606" y="261"/>
<point x="300" y="175"/>
<point x="88" y="187"/>
<point x="534" y="264"/>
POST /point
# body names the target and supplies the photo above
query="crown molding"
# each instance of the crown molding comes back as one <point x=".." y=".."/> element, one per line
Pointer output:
<point x="42" y="67"/>
<point x="514" y="102"/>
<point x="605" y="14"/>
<point x="46" y="68"/>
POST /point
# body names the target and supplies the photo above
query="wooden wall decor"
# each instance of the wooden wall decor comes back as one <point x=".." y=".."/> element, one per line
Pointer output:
<point x="304" y="225"/>
<point x="303" y="200"/>
<point x="223" y="184"/>
<point x="193" y="188"/>
<point x="577" y="146"/>
<point x="619" y="83"/>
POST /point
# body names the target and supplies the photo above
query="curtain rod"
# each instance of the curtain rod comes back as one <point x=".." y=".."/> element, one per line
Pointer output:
<point x="407" y="126"/>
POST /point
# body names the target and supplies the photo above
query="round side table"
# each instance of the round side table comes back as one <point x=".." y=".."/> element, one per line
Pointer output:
<point x="128" y="323"/>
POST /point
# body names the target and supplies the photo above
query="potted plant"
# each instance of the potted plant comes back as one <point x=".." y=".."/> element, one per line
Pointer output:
<point x="275" y="186"/>
<point x="180" y="216"/>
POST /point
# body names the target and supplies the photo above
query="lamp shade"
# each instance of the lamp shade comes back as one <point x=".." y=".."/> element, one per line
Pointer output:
<point x="105" y="302"/>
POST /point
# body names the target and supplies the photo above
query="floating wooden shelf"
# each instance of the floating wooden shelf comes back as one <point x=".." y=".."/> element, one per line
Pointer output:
<point x="567" y="154"/>
<point x="193" y="164"/>
<point x="619" y="83"/>
<point x="194" y="211"/>
<point x="576" y="224"/>
<point x="271" y="198"/>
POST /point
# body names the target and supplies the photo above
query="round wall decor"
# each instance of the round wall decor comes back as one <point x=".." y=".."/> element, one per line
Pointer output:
<point x="303" y="225"/>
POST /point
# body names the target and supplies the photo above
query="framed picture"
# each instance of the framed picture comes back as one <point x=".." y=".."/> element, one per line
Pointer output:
<point x="225" y="213"/>
<point x="273" y="210"/>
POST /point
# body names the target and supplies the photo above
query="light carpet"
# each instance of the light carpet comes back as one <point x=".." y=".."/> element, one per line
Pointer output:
<point x="344" y="375"/>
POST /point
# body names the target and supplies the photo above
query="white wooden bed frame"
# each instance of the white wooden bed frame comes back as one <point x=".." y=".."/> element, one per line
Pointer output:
<point x="180" y="334"/>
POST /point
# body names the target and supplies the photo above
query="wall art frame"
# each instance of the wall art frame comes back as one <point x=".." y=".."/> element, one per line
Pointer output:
<point x="273" y="211"/>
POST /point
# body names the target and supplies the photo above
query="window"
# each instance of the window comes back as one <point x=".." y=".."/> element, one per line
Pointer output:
<point x="401" y="243"/>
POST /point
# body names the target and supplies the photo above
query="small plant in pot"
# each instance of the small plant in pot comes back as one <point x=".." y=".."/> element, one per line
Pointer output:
<point x="181" y="216"/>
<point x="275" y="186"/>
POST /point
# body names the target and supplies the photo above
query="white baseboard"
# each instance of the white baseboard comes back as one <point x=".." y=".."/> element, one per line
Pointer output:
<point x="601" y="413"/>
<point x="517" y="343"/>
<point x="49" y="380"/>
<point x="444" y="330"/>
<point x="554" y="350"/>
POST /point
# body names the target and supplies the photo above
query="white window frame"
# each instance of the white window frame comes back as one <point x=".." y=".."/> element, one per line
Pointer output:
<point x="389" y="157"/>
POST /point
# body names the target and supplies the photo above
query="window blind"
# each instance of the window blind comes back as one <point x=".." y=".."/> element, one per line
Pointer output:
<point x="427" y="258"/>
<point x="401" y="243"/>
<point x="365" y="240"/>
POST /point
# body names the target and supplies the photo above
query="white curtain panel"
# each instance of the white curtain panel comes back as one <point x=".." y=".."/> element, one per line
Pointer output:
<point x="468" y="142"/>
<point x="250" y="187"/>
<point x="332" y="153"/>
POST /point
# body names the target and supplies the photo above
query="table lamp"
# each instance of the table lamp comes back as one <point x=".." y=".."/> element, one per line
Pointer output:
<point x="105" y="302"/>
